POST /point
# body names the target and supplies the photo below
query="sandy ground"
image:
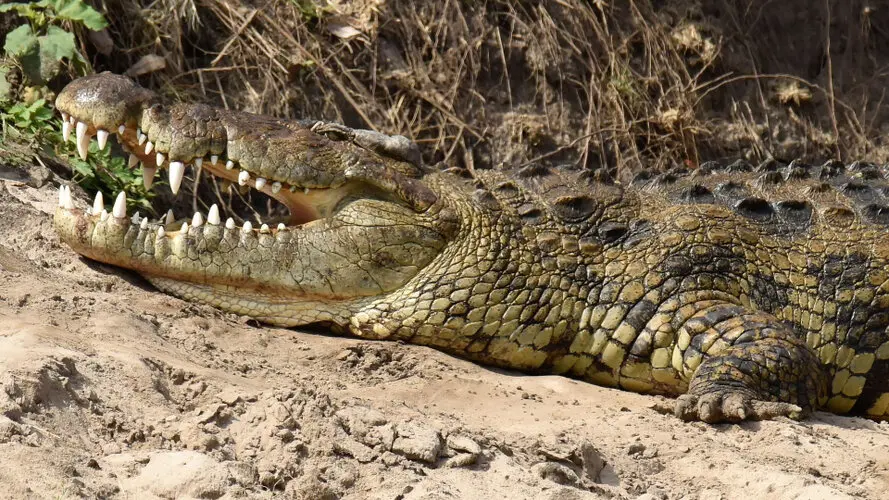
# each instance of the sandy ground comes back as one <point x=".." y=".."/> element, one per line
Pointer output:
<point x="111" y="389"/>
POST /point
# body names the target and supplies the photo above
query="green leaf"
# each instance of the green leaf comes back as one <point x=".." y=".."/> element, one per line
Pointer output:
<point x="21" y="8"/>
<point x="20" y="41"/>
<point x="76" y="10"/>
<point x="83" y="168"/>
<point x="57" y="44"/>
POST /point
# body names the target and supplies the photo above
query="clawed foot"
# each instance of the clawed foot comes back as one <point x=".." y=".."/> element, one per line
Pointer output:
<point x="717" y="407"/>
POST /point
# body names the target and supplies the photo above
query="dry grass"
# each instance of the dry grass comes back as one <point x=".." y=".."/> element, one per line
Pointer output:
<point x="562" y="81"/>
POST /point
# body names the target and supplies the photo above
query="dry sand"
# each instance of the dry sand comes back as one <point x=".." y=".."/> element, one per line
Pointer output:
<point x="111" y="389"/>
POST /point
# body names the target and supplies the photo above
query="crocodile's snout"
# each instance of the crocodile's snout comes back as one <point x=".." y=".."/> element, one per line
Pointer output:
<point x="353" y="198"/>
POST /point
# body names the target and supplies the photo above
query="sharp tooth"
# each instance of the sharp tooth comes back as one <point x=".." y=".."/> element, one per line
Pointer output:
<point x="102" y="137"/>
<point x="104" y="215"/>
<point x="144" y="224"/>
<point x="276" y="186"/>
<point x="66" y="131"/>
<point x="169" y="219"/>
<point x="281" y="226"/>
<point x="72" y="120"/>
<point x="161" y="232"/>
<point x="135" y="218"/>
<point x="260" y="183"/>
<point x="213" y="215"/>
<point x="83" y="140"/>
<point x="120" y="206"/>
<point x="197" y="220"/>
<point x="141" y="137"/>
<point x="148" y="147"/>
<point x="264" y="228"/>
<point x="243" y="177"/>
<point x="214" y="159"/>
<point x="305" y="190"/>
<point x="62" y="195"/>
<point x="132" y="160"/>
<point x="160" y="159"/>
<point x="184" y="228"/>
<point x="198" y="162"/>
<point x="294" y="189"/>
<point x="248" y="227"/>
<point x="64" y="116"/>
<point x="121" y="129"/>
<point x="229" y="165"/>
<point x="98" y="203"/>
<point x="148" y="176"/>
<point x="177" y="170"/>
<point x="229" y="223"/>
<point x="69" y="201"/>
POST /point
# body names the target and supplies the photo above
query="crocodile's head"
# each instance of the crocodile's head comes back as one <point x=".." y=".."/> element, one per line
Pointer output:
<point x="362" y="223"/>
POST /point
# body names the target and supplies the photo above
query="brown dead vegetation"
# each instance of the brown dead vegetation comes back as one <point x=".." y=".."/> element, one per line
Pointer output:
<point x="631" y="84"/>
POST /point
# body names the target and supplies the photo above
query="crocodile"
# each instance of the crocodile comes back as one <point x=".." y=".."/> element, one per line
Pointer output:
<point x="739" y="291"/>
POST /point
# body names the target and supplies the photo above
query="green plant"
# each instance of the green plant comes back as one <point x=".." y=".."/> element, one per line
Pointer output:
<point x="40" y="45"/>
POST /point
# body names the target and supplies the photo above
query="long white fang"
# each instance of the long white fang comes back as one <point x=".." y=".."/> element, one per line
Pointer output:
<point x="66" y="131"/>
<point x="243" y="177"/>
<point x="98" y="203"/>
<point x="69" y="202"/>
<point x="260" y="183"/>
<point x="276" y="186"/>
<point x="102" y="138"/>
<point x="160" y="159"/>
<point x="144" y="224"/>
<point x="213" y="215"/>
<point x="229" y="165"/>
<point x="198" y="162"/>
<point x="64" y="116"/>
<point x="169" y="218"/>
<point x="229" y="223"/>
<point x="197" y="220"/>
<point x="132" y="161"/>
<point x="62" y="195"/>
<point x="83" y="140"/>
<point x="214" y="159"/>
<point x="148" y="174"/>
<point x="120" y="206"/>
<point x="177" y="170"/>
<point x="141" y="137"/>
<point x="160" y="232"/>
<point x="247" y="227"/>
<point x="148" y="147"/>
<point x="281" y="226"/>
<point x="121" y="129"/>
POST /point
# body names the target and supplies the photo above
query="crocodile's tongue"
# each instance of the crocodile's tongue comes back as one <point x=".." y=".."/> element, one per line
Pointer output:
<point x="304" y="204"/>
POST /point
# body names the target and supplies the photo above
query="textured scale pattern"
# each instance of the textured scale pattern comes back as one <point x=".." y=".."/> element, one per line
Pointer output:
<point x="771" y="276"/>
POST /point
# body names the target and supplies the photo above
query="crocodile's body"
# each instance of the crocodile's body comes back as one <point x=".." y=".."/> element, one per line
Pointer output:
<point x="750" y="291"/>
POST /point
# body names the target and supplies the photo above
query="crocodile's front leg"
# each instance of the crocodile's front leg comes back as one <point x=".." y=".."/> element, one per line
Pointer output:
<point x="753" y="367"/>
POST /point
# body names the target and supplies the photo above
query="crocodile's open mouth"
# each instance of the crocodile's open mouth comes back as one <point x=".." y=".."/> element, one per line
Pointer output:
<point x="304" y="204"/>
<point x="356" y="220"/>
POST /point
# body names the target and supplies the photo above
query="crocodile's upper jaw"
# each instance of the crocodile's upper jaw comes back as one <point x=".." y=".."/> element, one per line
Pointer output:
<point x="361" y="225"/>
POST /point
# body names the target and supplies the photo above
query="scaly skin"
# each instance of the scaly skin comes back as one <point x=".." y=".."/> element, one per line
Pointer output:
<point x="688" y="284"/>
